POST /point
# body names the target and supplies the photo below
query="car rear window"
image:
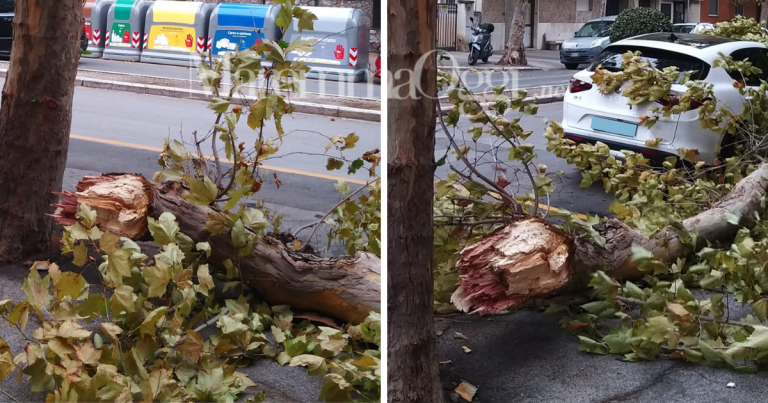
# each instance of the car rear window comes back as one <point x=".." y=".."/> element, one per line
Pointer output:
<point x="611" y="60"/>
<point x="685" y="29"/>
<point x="7" y="6"/>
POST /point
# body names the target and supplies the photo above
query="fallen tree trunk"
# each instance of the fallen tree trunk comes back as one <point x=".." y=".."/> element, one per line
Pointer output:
<point x="531" y="258"/>
<point x="347" y="288"/>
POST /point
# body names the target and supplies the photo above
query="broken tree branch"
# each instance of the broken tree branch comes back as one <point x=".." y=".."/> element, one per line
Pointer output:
<point x="531" y="258"/>
<point x="347" y="288"/>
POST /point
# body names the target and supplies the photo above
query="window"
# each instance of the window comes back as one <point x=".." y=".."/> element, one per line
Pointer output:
<point x="645" y="3"/>
<point x="595" y="29"/>
<point x="759" y="58"/>
<point x="740" y="9"/>
<point x="714" y="7"/>
<point x="611" y="60"/>
<point x="376" y="17"/>
<point x="583" y="5"/>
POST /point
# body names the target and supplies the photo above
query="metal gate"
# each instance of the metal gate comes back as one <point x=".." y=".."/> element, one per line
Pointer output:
<point x="446" y="24"/>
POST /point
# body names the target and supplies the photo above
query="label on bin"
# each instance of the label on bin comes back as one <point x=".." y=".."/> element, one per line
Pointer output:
<point x="175" y="11"/>
<point x="331" y="51"/>
<point x="123" y="9"/>
<point x="228" y="40"/>
<point x="177" y="39"/>
<point x="121" y="35"/>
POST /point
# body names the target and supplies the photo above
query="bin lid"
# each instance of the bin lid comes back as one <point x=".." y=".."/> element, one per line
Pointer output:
<point x="123" y="9"/>
<point x="179" y="12"/>
<point x="329" y="19"/>
<point x="242" y="15"/>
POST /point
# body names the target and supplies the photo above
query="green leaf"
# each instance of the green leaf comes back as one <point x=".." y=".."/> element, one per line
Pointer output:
<point x="157" y="279"/>
<point x="314" y="364"/>
<point x="334" y="164"/>
<point x="342" y="187"/>
<point x="203" y="192"/>
<point x="37" y="290"/>
<point x="204" y="279"/>
<point x="350" y="141"/>
<point x="254" y="219"/>
<point x="761" y="309"/>
<point x="235" y="197"/>
<point x="163" y="230"/>
<point x="119" y="263"/>
<point x="71" y="285"/>
<point x="81" y="255"/>
<point x="219" y="105"/>
<point x="228" y="325"/>
<point x="285" y="15"/>
<point x="147" y="327"/>
<point x="592" y="346"/>
<point x="239" y="237"/>
<point x="122" y="300"/>
<point x="306" y="19"/>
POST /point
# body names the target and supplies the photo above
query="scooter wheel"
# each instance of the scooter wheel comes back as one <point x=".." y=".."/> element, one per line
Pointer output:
<point x="472" y="59"/>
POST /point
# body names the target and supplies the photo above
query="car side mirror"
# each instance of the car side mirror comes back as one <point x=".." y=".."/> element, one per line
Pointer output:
<point x="471" y="19"/>
<point x="575" y="33"/>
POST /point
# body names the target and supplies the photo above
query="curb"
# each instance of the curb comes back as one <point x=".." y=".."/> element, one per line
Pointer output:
<point x="538" y="99"/>
<point x="299" y="106"/>
<point x="489" y="68"/>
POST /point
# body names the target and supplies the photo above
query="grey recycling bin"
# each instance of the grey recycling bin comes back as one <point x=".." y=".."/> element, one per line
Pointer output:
<point x="95" y="25"/>
<point x="178" y="32"/>
<point x="342" y="51"/>
<point x="240" y="26"/>
<point x="125" y="30"/>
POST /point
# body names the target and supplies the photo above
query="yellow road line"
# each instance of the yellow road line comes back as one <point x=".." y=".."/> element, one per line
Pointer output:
<point x="158" y="149"/>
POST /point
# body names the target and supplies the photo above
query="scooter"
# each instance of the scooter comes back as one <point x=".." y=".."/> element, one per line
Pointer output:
<point x="480" y="43"/>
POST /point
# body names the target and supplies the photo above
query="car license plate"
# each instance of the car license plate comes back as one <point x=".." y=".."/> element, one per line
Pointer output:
<point x="614" y="127"/>
<point x="574" y="55"/>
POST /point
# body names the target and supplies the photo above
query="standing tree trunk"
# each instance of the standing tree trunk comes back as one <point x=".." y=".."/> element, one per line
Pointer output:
<point x="514" y="54"/>
<point x="603" y="7"/>
<point x="412" y="346"/>
<point x="763" y="13"/>
<point x="35" y="120"/>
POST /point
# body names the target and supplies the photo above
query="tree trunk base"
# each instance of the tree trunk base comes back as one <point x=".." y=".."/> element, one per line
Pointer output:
<point x="347" y="288"/>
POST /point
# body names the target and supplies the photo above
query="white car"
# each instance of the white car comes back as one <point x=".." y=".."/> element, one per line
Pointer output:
<point x="589" y="116"/>
<point x="693" y="28"/>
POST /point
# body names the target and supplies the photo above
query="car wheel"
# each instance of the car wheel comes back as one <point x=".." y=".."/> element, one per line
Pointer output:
<point x="472" y="58"/>
<point x="571" y="66"/>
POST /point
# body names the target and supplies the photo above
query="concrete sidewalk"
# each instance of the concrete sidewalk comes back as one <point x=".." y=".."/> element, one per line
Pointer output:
<point x="537" y="60"/>
<point x="526" y="357"/>
<point x="311" y="103"/>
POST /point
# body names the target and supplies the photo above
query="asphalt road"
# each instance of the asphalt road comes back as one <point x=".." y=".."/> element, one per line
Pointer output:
<point x="484" y="81"/>
<point x="567" y="196"/>
<point x="124" y="132"/>
<point x="361" y="89"/>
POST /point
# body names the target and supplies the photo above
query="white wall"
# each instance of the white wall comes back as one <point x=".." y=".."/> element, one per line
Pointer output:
<point x="551" y="29"/>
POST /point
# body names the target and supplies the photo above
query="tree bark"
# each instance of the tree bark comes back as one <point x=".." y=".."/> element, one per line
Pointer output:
<point x="764" y="14"/>
<point x="412" y="374"/>
<point x="35" y="120"/>
<point x="347" y="288"/>
<point x="514" y="53"/>
<point x="531" y="258"/>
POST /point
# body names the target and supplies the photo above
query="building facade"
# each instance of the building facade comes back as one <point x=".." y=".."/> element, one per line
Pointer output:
<point x="723" y="10"/>
<point x="561" y="18"/>
<point x="371" y="7"/>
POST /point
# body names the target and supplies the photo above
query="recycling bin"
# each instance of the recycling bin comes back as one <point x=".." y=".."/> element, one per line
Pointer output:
<point x="95" y="15"/>
<point x="125" y="30"/>
<point x="178" y="32"/>
<point x="342" y="51"/>
<point x="240" y="26"/>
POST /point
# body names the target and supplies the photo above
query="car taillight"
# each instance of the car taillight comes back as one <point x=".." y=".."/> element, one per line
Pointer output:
<point x="675" y="100"/>
<point x="575" y="85"/>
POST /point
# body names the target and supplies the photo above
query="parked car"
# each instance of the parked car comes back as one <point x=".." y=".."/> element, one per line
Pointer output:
<point x="693" y="28"/>
<point x="587" y="43"/>
<point x="589" y="116"/>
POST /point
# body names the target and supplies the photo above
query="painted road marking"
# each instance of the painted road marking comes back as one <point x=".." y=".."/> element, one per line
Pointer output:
<point x="158" y="149"/>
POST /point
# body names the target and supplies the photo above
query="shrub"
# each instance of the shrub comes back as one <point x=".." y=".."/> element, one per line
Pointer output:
<point x="637" y="21"/>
